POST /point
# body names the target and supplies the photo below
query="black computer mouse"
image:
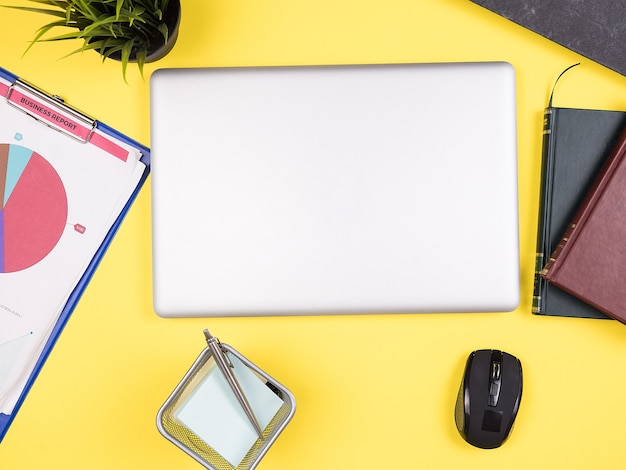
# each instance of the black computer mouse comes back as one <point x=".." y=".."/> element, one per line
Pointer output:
<point x="489" y="397"/>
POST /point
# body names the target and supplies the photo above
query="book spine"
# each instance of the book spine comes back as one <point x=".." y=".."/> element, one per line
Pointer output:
<point x="550" y="271"/>
<point x="545" y="206"/>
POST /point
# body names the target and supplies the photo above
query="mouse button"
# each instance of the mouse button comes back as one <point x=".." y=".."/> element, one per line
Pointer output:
<point x="512" y="372"/>
<point x="494" y="394"/>
<point x="480" y="364"/>
<point x="492" y="420"/>
<point x="481" y="372"/>
<point x="478" y="388"/>
<point x="511" y="392"/>
<point x="488" y="429"/>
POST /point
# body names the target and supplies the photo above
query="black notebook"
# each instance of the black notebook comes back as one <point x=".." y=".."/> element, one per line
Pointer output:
<point x="575" y="144"/>
<point x="594" y="28"/>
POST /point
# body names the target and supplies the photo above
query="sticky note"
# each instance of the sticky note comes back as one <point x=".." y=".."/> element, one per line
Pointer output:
<point x="213" y="413"/>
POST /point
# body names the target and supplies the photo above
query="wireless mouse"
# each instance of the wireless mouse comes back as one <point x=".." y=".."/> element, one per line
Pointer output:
<point x="489" y="397"/>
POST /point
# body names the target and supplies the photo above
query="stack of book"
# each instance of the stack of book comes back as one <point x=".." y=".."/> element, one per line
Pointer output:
<point x="581" y="249"/>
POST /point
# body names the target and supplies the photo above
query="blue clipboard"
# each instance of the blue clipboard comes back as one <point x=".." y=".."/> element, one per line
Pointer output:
<point x="6" y="420"/>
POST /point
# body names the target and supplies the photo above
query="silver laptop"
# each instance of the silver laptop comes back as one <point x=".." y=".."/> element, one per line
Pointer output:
<point x="334" y="190"/>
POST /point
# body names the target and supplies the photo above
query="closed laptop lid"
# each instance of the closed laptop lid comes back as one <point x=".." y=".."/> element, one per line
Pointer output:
<point x="334" y="189"/>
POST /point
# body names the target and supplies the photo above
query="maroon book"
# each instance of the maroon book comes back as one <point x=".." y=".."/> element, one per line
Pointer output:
<point x="590" y="260"/>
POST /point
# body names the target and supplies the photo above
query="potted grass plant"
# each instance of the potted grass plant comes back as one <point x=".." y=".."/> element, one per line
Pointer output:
<point x="138" y="31"/>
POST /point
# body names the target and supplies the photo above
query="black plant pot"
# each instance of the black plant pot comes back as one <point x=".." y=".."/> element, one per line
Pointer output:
<point x="172" y="20"/>
<point x="159" y="48"/>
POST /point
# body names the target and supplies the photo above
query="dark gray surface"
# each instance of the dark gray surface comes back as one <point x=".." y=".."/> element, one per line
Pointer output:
<point x="595" y="29"/>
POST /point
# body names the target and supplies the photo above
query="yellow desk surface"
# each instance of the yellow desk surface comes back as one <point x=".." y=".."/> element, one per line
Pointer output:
<point x="373" y="391"/>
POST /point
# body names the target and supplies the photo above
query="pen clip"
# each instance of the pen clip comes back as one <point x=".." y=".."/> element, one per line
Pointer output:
<point x="50" y="111"/>
<point x="218" y="343"/>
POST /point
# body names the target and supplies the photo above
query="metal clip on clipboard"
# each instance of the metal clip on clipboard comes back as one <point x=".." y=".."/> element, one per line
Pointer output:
<point x="68" y="121"/>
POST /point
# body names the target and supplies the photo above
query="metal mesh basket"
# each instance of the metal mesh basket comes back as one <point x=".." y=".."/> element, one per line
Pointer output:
<point x="177" y="432"/>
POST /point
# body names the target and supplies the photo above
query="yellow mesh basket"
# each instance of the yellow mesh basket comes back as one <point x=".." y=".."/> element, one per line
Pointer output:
<point x="175" y="430"/>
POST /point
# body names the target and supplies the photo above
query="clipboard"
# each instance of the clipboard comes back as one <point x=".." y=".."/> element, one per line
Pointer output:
<point x="86" y="131"/>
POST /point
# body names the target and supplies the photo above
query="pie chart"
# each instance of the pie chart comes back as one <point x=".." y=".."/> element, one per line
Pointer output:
<point x="33" y="208"/>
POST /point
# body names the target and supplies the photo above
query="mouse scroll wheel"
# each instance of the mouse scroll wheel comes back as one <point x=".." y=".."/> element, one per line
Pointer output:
<point x="495" y="370"/>
<point x="495" y="383"/>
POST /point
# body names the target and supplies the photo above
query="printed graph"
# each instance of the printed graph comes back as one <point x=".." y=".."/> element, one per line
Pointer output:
<point x="33" y="208"/>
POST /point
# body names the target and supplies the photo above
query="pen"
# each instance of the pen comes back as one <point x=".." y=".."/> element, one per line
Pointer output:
<point x="220" y="360"/>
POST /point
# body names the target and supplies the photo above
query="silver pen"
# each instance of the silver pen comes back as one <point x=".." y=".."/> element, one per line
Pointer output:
<point x="223" y="366"/>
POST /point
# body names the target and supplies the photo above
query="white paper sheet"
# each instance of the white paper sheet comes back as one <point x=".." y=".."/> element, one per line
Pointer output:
<point x="59" y="199"/>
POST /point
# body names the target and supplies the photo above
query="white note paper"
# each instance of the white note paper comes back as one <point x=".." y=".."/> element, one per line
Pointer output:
<point x="213" y="413"/>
